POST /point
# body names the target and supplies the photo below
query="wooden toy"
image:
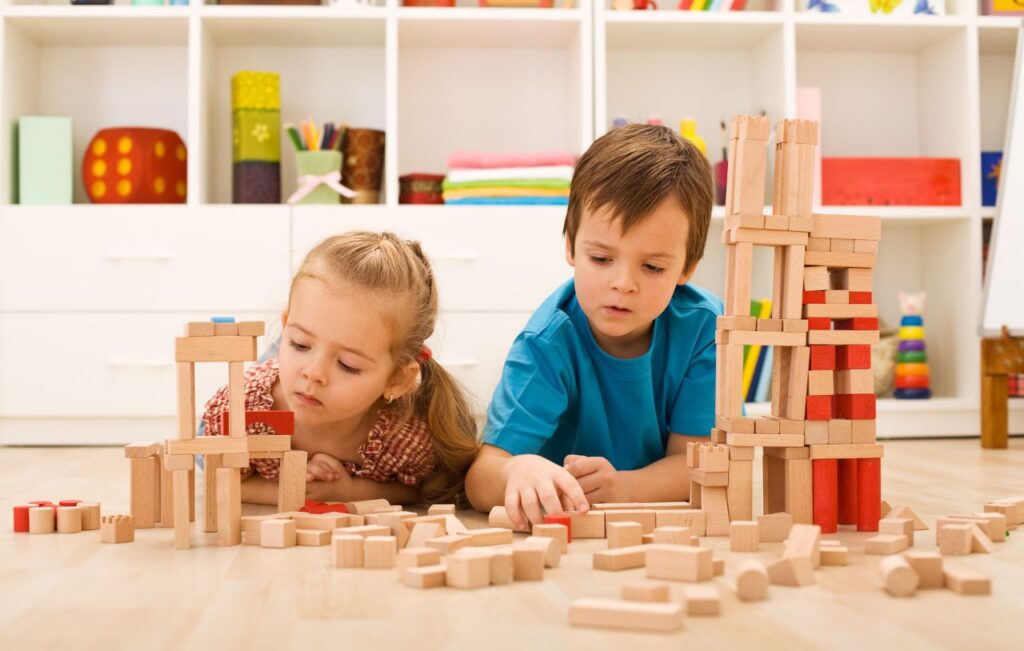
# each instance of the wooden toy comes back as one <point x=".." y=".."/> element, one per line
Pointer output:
<point x="965" y="581"/>
<point x="558" y="532"/>
<point x="928" y="566"/>
<point x="912" y="376"/>
<point x="679" y="563"/>
<point x="900" y="578"/>
<point x="702" y="599"/>
<point x="623" y="534"/>
<point x="135" y="165"/>
<point x="117" y="529"/>
<point x="651" y="591"/>
<point x="743" y="536"/>
<point x="468" y="571"/>
<point x="380" y="552"/>
<point x="431" y="576"/>
<point x="528" y="562"/>
<point x="549" y="546"/>
<point x="623" y="558"/>
<point x="44" y="160"/>
<point x="256" y="129"/>
<point x="752" y="581"/>
<point x="886" y="544"/>
<point x="626" y="615"/>
<point x="278" y="533"/>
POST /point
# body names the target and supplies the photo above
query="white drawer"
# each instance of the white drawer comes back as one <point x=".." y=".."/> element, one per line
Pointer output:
<point x="98" y="365"/>
<point x="485" y="258"/>
<point x="143" y="258"/>
<point x="472" y="346"/>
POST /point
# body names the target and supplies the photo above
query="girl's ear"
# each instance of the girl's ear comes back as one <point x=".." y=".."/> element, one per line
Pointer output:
<point x="284" y="318"/>
<point x="403" y="381"/>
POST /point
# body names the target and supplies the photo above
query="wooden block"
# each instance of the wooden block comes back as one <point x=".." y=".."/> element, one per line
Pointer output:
<point x="788" y="453"/>
<point x="714" y="458"/>
<point x="816" y="433"/>
<point x="362" y="507"/>
<point x="743" y="536"/>
<point x="199" y="329"/>
<point x="928" y="566"/>
<point x="260" y="443"/>
<point x="852" y="227"/>
<point x="855" y="381"/>
<point x="842" y="245"/>
<point x="965" y="581"/>
<point x="955" y="539"/>
<point x="250" y="525"/>
<point x="559" y="533"/>
<point x="739" y="269"/>
<point x="450" y="543"/>
<point x="364" y="531"/>
<point x="498" y="517"/>
<point x="395" y="520"/>
<point x="840" y="431"/>
<point x="900" y="578"/>
<point x="440" y="520"/>
<point x="1006" y="509"/>
<point x="734" y="425"/>
<point x="694" y="519"/>
<point x="647" y="519"/>
<point x="819" y="383"/>
<point x="804" y="541"/>
<point x="758" y="338"/>
<point x="885" y="544"/>
<point x="736" y="323"/>
<point x="417" y="557"/>
<point x="745" y="220"/>
<point x="90" y="515"/>
<point x="502" y="569"/>
<point x="845" y="260"/>
<point x="842" y="337"/>
<point x="679" y="562"/>
<point x="834" y="555"/>
<point x="776" y="222"/>
<point x="796" y="391"/>
<point x="899" y="527"/>
<point x="380" y="552"/>
<point x="816" y="279"/>
<point x="206" y="445"/>
<point x="588" y="525"/>
<point x="740" y="454"/>
<point x="320" y="521"/>
<point x="752" y="581"/>
<point x="626" y="615"/>
<point x="181" y="508"/>
<point x="740" y="491"/>
<point x="229" y="509"/>
<point x="993" y="524"/>
<point x="703" y="478"/>
<point x="980" y="541"/>
<point x="766" y="426"/>
<point x="145" y="490"/>
<point x="141" y="450"/>
<point x="865" y="246"/>
<point x="702" y="600"/>
<point x="869" y="451"/>
<point x="714" y="502"/>
<point x="312" y="537"/>
<point x="863" y="432"/>
<point x="348" y="550"/>
<point x="623" y="558"/>
<point x="179" y="462"/>
<point x="225" y="329"/>
<point x="764" y="237"/>
<point x="186" y="385"/>
<point x="770" y="325"/>
<point x="487" y="537"/>
<point x="646" y="591"/>
<point x="552" y="557"/>
<point x="251" y="328"/>
<point x="793" y="572"/>
<point x="115" y="528"/>
<point x="854" y="280"/>
<point x="623" y="534"/>
<point x="441" y="509"/>
<point x="431" y="576"/>
<point x="795" y="325"/>
<point x="277" y="533"/>
<point x="215" y="349"/>
<point x="528" y="562"/>
<point x="69" y="519"/>
<point x="291" y="482"/>
<point x="774" y="527"/>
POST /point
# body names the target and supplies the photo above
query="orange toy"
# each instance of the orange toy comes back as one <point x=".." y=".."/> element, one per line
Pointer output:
<point x="135" y="165"/>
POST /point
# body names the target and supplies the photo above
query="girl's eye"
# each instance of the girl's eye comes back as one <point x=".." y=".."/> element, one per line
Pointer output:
<point x="598" y="259"/>
<point x="654" y="269"/>
<point x="348" y="369"/>
<point x="297" y="346"/>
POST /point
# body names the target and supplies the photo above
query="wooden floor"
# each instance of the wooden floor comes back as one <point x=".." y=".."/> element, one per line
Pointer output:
<point x="71" y="591"/>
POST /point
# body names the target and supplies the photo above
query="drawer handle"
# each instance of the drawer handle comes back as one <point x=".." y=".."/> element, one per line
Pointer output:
<point x="127" y="257"/>
<point x="462" y="363"/>
<point x="458" y="257"/>
<point x="122" y="363"/>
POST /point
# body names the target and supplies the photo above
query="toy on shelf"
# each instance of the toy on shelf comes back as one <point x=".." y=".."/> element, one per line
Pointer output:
<point x="363" y="167"/>
<point x="885" y="7"/>
<point x="135" y="165"/>
<point x="912" y="376"/>
<point x="890" y="181"/>
<point x="43" y="173"/>
<point x="991" y="167"/>
<point x="256" y="137"/>
<point x="490" y="178"/>
<point x="421" y="188"/>
<point x="688" y="130"/>
<point x="1002" y="8"/>
<point x="318" y="163"/>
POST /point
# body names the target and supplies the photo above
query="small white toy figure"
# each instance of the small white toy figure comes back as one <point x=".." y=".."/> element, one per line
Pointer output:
<point x="912" y="377"/>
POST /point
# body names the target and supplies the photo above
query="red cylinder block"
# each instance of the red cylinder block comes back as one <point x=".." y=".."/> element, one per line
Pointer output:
<point x="69" y="502"/>
<point x="847" y="491"/>
<point x="21" y="519"/>
<point x="825" y="488"/>
<point x="869" y="494"/>
<point x="560" y="518"/>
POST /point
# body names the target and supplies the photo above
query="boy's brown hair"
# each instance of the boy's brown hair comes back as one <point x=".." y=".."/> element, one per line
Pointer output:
<point x="631" y="170"/>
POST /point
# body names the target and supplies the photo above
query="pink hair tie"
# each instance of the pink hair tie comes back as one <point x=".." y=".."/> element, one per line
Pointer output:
<point x="425" y="354"/>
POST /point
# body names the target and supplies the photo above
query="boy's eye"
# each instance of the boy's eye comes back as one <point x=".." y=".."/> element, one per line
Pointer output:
<point x="348" y="369"/>
<point x="654" y="268"/>
<point x="297" y="346"/>
<point x="598" y="259"/>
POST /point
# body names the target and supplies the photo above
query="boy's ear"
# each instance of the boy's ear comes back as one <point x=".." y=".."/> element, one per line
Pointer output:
<point x="686" y="275"/>
<point x="568" y="252"/>
<point x="403" y="381"/>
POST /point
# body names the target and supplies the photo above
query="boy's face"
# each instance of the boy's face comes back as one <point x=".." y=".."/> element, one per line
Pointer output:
<point x="625" y="280"/>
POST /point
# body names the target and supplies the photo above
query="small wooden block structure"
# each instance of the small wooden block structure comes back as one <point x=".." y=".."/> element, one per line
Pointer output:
<point x="117" y="529"/>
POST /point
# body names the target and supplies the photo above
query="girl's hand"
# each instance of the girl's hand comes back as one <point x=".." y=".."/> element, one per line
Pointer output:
<point x="324" y="467"/>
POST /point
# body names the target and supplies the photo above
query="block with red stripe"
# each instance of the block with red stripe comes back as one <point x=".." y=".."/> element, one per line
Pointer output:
<point x="819" y="407"/>
<point x="855" y="406"/>
<point x="823" y="357"/>
<point x="852" y="357"/>
<point x="814" y="297"/>
<point x="860" y="298"/>
<point x="819" y="323"/>
<point x="282" y="422"/>
<point x="857" y="323"/>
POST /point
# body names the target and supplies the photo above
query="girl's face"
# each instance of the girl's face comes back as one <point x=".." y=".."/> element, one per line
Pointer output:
<point x="335" y="360"/>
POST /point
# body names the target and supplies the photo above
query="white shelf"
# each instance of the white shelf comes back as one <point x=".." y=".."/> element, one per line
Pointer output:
<point x="275" y="27"/>
<point x="108" y="26"/>
<point x="833" y="33"/>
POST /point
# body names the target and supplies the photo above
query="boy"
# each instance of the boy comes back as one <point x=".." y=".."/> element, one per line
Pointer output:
<point x="615" y="371"/>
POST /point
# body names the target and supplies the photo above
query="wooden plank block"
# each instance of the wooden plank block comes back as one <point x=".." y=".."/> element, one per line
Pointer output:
<point x="715" y="503"/>
<point x="468" y="571"/>
<point x="854" y="280"/>
<point x="743" y="536"/>
<point x="347" y="550"/>
<point x="362" y="507"/>
<point x="843" y="260"/>
<point x="739" y="269"/>
<point x="885" y="544"/>
<point x="141" y="450"/>
<point x="489" y="536"/>
<point x="796" y="392"/>
<point x="865" y="246"/>
<point x="215" y="349"/>
<point x="622" y="558"/>
<point x="646" y="591"/>
<point x="251" y="328"/>
<point x="774" y="527"/>
<point x="797" y="489"/>
<point x="793" y="572"/>
<point x="179" y="462"/>
<point x="694" y="519"/>
<point x="764" y="237"/>
<point x="229" y="508"/>
<point x="647" y="519"/>
<point x="623" y="534"/>
<point x="626" y="615"/>
<point x="199" y="329"/>
<point x="840" y="311"/>
<point x="788" y="453"/>
<point x="841" y="245"/>
<point x="740" y="491"/>
<point x="744" y="220"/>
<point x="221" y="329"/>
<point x="291" y="482"/>
<point x="965" y="581"/>
<point x="852" y="227"/>
<point x="380" y="552"/>
<point x="852" y="451"/>
<point x="431" y="576"/>
<point x="761" y="338"/>
<point x="702" y="599"/>
<point x="182" y="525"/>
<point x="804" y="541"/>
<point x="186" y="378"/>
<point x="815" y="279"/>
<point x="145" y="491"/>
<point x="928" y="566"/>
<point x="679" y="563"/>
<point x="767" y="440"/>
<point x="206" y="445"/>
<point x="736" y="425"/>
<point x="794" y="260"/>
<point x="834" y="556"/>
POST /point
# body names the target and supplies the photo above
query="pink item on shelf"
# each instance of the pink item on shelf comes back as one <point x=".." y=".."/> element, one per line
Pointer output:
<point x="487" y="160"/>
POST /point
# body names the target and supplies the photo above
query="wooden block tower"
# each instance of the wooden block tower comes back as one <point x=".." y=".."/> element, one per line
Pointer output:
<point x="821" y="461"/>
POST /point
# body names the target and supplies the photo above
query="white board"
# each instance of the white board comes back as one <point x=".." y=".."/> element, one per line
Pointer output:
<point x="1003" y="302"/>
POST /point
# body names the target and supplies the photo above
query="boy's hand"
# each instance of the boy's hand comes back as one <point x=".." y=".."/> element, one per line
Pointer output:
<point x="535" y="485"/>
<point x="324" y="467"/>
<point x="598" y="478"/>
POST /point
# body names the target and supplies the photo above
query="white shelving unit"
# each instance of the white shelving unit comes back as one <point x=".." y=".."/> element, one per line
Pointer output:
<point x="91" y="295"/>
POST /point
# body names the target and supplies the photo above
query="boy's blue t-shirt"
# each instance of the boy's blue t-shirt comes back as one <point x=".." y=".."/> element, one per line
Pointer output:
<point x="561" y="394"/>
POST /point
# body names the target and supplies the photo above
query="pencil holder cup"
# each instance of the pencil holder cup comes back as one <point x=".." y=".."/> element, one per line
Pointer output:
<point x="319" y="177"/>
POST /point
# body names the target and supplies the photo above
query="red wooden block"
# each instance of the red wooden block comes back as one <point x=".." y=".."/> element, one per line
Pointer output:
<point x="853" y="357"/>
<point x="855" y="406"/>
<point x="282" y="422"/>
<point x="69" y="502"/>
<point x="42" y="503"/>
<point x="825" y="494"/>
<point x="819" y="407"/>
<point x="860" y="298"/>
<point x="312" y="506"/>
<point x="819" y="323"/>
<point x="560" y="518"/>
<point x="912" y="382"/>
<point x="812" y="298"/>
<point x="869" y="494"/>
<point x="847" y="491"/>
<point x="858" y="323"/>
<point x="21" y="519"/>
<point x="823" y="358"/>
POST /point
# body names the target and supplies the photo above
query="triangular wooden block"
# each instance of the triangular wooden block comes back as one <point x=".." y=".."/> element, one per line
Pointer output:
<point x="794" y="572"/>
<point x="901" y="511"/>
<point x="885" y="509"/>
<point x="980" y="542"/>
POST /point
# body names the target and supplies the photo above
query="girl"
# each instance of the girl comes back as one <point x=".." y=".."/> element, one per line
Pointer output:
<point x="379" y="417"/>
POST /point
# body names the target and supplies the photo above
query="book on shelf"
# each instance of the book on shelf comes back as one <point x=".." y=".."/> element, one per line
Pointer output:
<point x="753" y="356"/>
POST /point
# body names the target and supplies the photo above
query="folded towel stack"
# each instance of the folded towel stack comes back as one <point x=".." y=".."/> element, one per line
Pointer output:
<point x="481" y="178"/>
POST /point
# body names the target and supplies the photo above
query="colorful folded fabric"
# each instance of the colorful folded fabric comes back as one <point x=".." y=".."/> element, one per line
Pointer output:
<point x="504" y="192"/>
<point x="509" y="201"/>
<point x="483" y="159"/>
<point x="561" y="172"/>
<point x="550" y="184"/>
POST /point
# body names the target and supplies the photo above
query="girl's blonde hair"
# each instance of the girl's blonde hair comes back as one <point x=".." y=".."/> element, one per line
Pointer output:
<point x="397" y="269"/>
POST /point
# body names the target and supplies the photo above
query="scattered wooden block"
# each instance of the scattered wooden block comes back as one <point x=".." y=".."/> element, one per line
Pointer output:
<point x="430" y="576"/>
<point x="693" y="519"/>
<point x="502" y="566"/>
<point x="679" y="563"/>
<point x="702" y="599"/>
<point x="528" y="562"/>
<point x="774" y="527"/>
<point x="752" y="581"/>
<point x="348" y="550"/>
<point x="277" y="533"/>
<point x="441" y="509"/>
<point x="834" y="556"/>
<point x="804" y="541"/>
<point x="626" y="615"/>
<point x="900" y="578"/>
<point x="114" y="528"/>
<point x="450" y="543"/>
<point x="422" y="532"/>
<point x="551" y="555"/>
<point x="588" y="525"/>
<point x="672" y="535"/>
<point x="928" y="566"/>
<point x="965" y="581"/>
<point x="902" y="511"/>
<point x="992" y="524"/>
<point x="468" y="571"/>
<point x="564" y="519"/>
<point x="646" y="519"/>
<point x="793" y="572"/>
<point x="489" y="536"/>
<point x="312" y="537"/>
<point x="454" y="525"/>
<point x="898" y="526"/>
<point x="717" y="564"/>
<point x="623" y="534"/>
<point x="380" y="552"/>
<point x="743" y="536"/>
<point x="886" y="544"/>
<point x="417" y="557"/>
<point x="623" y="558"/>
<point x="559" y="533"/>
<point x="365" y="530"/>
<point x="649" y="591"/>
<point x="69" y="519"/>
<point x="955" y="539"/>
